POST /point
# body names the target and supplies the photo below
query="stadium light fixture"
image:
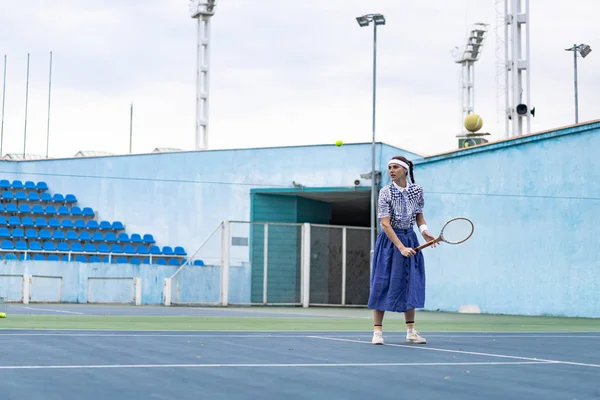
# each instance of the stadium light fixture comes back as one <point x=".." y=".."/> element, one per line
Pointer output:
<point x="364" y="21"/>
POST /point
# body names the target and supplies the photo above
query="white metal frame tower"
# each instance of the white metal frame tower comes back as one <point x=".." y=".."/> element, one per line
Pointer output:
<point x="202" y="10"/>
<point x="517" y="67"/>
<point x="468" y="55"/>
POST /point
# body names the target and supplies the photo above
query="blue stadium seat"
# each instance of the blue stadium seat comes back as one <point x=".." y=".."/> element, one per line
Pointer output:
<point x="123" y="238"/>
<point x="31" y="234"/>
<point x="142" y="250"/>
<point x="27" y="222"/>
<point x="79" y="224"/>
<point x="23" y="256"/>
<point x="134" y="260"/>
<point x="174" y="261"/>
<point x="11" y="208"/>
<point x="71" y="235"/>
<point x="118" y="226"/>
<point x="97" y="236"/>
<point x="70" y="198"/>
<point x="7" y="245"/>
<point x="58" y="235"/>
<point x="81" y="258"/>
<point x="67" y="223"/>
<point x="136" y="238"/>
<point x="92" y="224"/>
<point x="53" y="257"/>
<point x="17" y="184"/>
<point x="45" y="234"/>
<point x="2" y="207"/>
<point x="160" y="261"/>
<point x="29" y="185"/>
<point x="62" y="247"/>
<point x="10" y="256"/>
<point x="50" y="210"/>
<point x="58" y="198"/>
<point x="3" y="220"/>
<point x="37" y="209"/>
<point x="95" y="259"/>
<point x="21" y="245"/>
<point x="167" y="250"/>
<point x="121" y="260"/>
<point x="116" y="248"/>
<point x="105" y="225"/>
<point x="155" y="250"/>
<point x="46" y="197"/>
<point x="53" y="223"/>
<point x="110" y="237"/>
<point x="20" y="196"/>
<point x="17" y="233"/>
<point x="7" y="195"/>
<point x="85" y="236"/>
<point x="148" y="239"/>
<point x="39" y="257"/>
<point x="63" y="210"/>
<point x="199" y="263"/>
<point x="4" y="184"/>
<point x="35" y="246"/>
<point x="76" y="247"/>
<point x="146" y="260"/>
<point x="4" y="233"/>
<point x="42" y="186"/>
<point x="49" y="246"/>
<point x="14" y="221"/>
<point x="33" y="196"/>
<point x="128" y="248"/>
<point x="24" y="209"/>
<point x="89" y="248"/>
<point x="87" y="212"/>
<point x="76" y="211"/>
<point x="179" y="251"/>
<point x="41" y="222"/>
<point x="103" y="248"/>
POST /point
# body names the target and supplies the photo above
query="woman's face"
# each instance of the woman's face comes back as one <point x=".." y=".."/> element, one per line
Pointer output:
<point x="396" y="171"/>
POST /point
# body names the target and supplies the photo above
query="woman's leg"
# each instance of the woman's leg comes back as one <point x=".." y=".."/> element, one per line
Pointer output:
<point x="412" y="336"/>
<point x="377" y="327"/>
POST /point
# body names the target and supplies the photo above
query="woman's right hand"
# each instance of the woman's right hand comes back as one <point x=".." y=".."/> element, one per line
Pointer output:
<point x="407" y="251"/>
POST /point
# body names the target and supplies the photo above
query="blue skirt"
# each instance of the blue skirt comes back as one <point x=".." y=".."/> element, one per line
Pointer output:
<point x="397" y="282"/>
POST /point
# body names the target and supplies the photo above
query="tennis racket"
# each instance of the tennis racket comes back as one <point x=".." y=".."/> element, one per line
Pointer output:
<point x="455" y="231"/>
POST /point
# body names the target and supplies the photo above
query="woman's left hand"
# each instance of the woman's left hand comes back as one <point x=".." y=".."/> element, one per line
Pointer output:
<point x="429" y="238"/>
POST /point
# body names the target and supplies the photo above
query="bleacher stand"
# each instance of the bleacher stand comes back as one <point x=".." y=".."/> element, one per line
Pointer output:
<point x="38" y="225"/>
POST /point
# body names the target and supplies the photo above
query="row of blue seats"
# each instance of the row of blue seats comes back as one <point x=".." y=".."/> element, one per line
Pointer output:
<point x="77" y="247"/>
<point x="98" y="259"/>
<point x="24" y="208"/>
<point x="34" y="196"/>
<point x="71" y="235"/>
<point x="18" y="184"/>
<point x="41" y="222"/>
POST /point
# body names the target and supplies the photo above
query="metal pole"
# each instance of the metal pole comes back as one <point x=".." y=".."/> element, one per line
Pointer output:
<point x="373" y="187"/>
<point x="3" y="98"/>
<point x="130" y="127"/>
<point x="575" y="83"/>
<point x="49" y="91"/>
<point x="26" y="102"/>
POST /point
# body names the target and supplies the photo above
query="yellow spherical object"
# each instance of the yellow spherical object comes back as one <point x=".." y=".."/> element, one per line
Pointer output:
<point x="473" y="122"/>
<point x="2" y="315"/>
<point x="338" y="143"/>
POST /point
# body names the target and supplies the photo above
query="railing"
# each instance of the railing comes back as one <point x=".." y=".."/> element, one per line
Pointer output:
<point x="272" y="263"/>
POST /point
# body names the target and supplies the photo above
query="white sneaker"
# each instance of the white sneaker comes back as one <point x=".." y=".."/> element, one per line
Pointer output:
<point x="414" y="337"/>
<point x="377" y="337"/>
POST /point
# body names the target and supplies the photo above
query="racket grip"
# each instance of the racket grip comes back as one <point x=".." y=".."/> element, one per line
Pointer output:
<point x="424" y="245"/>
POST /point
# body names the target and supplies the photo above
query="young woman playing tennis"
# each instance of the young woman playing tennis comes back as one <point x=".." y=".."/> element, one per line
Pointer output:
<point x="398" y="277"/>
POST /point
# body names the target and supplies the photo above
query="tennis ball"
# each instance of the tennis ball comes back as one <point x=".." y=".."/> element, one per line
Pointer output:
<point x="2" y="315"/>
<point x="473" y="122"/>
<point x="338" y="143"/>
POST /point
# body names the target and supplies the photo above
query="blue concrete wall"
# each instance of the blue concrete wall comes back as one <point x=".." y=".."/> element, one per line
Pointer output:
<point x="535" y="202"/>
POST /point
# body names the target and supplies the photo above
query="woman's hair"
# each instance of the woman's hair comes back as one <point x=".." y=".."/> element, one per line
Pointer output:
<point x="410" y="164"/>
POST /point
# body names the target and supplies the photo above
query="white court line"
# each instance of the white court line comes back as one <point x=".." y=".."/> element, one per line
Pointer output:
<point x="421" y="347"/>
<point x="136" y="335"/>
<point x="58" y="311"/>
<point x="132" y="366"/>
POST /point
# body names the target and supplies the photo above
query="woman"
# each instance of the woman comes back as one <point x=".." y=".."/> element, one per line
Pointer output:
<point x="398" y="277"/>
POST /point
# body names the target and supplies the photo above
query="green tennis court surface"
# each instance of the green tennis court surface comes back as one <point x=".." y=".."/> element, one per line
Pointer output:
<point x="121" y="352"/>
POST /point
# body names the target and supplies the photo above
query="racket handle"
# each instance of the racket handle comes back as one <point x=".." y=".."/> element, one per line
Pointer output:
<point x="424" y="245"/>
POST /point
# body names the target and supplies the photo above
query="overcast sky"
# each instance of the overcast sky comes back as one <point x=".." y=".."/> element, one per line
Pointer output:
<point x="282" y="72"/>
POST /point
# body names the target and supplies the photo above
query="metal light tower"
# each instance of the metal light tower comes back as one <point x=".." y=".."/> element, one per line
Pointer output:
<point x="466" y="57"/>
<point x="202" y="10"/>
<point x="584" y="50"/>
<point x="517" y="67"/>
<point x="365" y="21"/>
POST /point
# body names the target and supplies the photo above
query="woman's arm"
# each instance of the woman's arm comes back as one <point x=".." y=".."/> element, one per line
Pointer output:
<point x="422" y="223"/>
<point x="389" y="231"/>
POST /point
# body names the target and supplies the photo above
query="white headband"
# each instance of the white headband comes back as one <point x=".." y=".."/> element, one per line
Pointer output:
<point x="401" y="163"/>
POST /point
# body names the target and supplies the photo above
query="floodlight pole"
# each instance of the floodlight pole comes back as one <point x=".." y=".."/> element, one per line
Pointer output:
<point x="584" y="50"/>
<point x="364" y="21"/>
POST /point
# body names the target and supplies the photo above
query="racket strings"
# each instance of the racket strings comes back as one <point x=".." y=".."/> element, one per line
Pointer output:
<point x="457" y="230"/>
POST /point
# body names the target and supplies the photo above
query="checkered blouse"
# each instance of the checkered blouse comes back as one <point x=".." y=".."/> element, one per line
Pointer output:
<point x="400" y="204"/>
